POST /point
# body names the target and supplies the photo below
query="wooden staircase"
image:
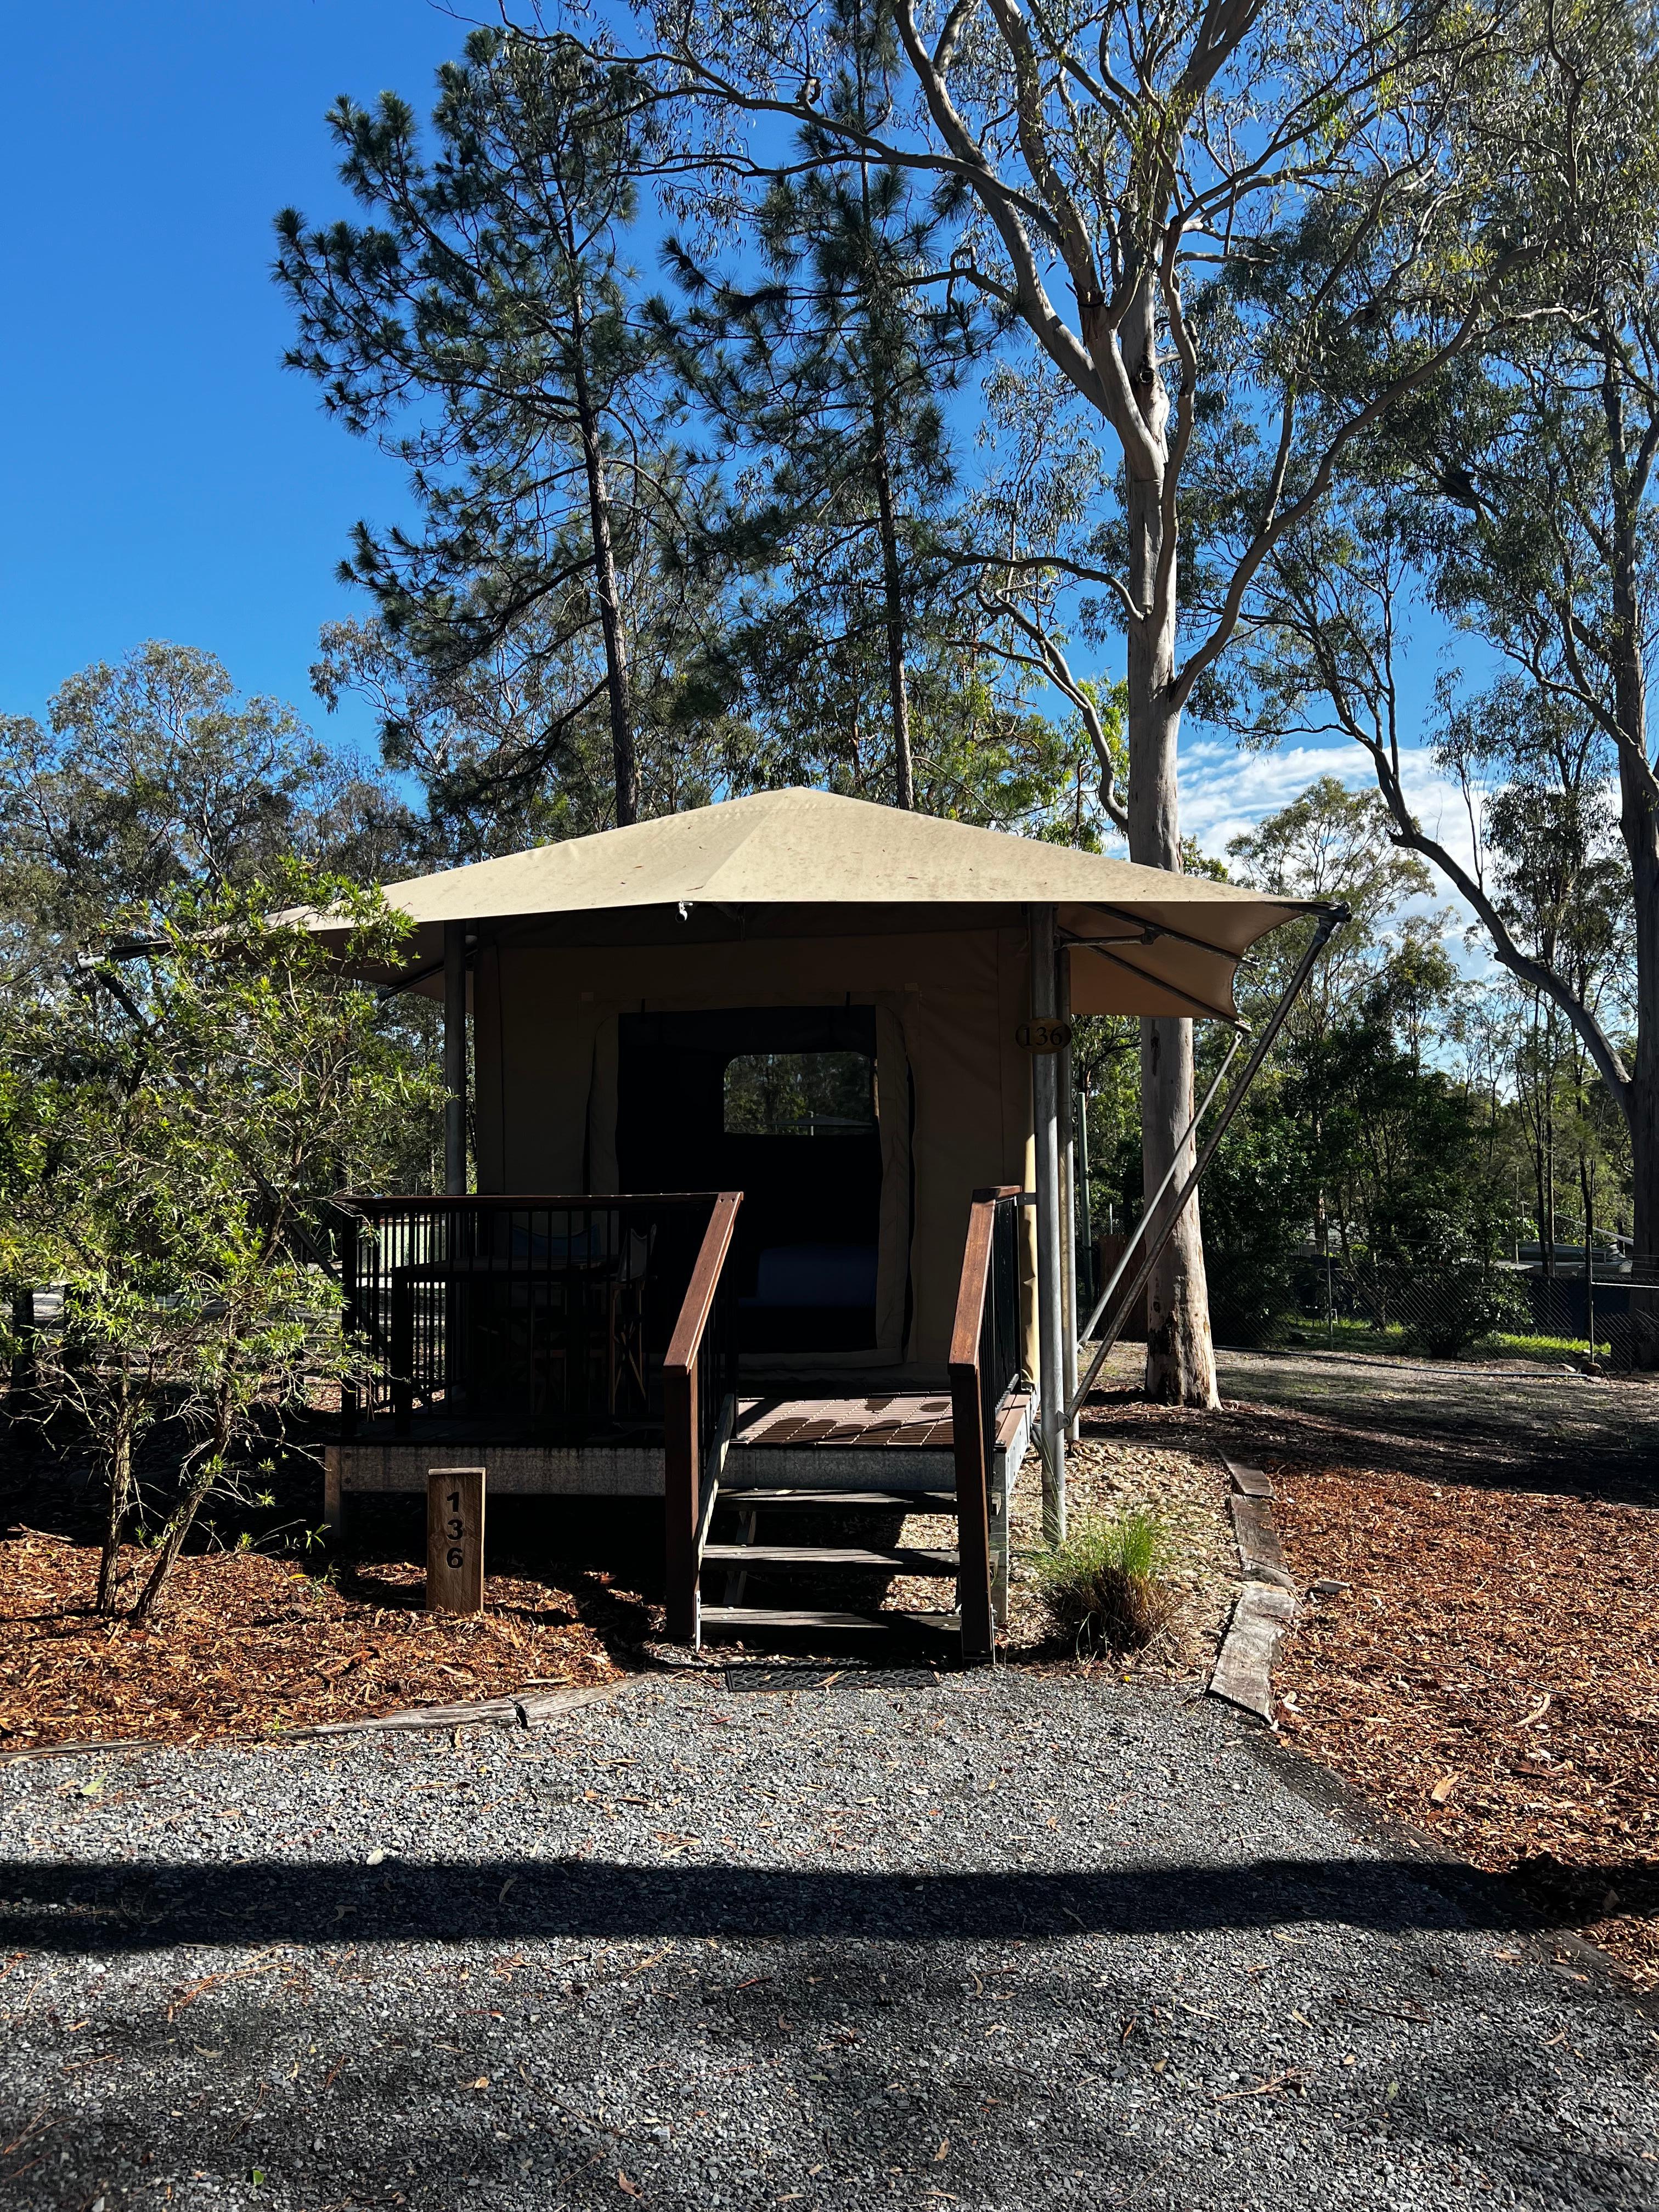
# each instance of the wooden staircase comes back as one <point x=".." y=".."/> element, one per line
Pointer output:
<point x="736" y="1620"/>
<point x="985" y="1372"/>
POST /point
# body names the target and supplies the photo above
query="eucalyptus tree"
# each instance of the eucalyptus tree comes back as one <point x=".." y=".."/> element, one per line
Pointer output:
<point x="152" y="772"/>
<point x="824" y="368"/>
<point x="483" y="326"/>
<point x="1118" y="171"/>
<point x="1516" y="497"/>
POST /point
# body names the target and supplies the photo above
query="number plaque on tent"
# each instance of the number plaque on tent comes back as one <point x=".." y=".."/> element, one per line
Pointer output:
<point x="1046" y="1035"/>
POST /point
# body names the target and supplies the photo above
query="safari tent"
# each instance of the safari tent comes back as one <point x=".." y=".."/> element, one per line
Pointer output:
<point x="850" y="1020"/>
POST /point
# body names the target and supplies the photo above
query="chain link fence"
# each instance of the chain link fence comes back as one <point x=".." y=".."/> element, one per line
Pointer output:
<point x="1450" y="1312"/>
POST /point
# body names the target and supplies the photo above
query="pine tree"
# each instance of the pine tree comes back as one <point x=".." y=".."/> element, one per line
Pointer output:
<point x="484" y="330"/>
<point x="828" y="378"/>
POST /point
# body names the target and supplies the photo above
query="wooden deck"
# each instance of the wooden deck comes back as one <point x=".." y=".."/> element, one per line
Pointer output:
<point x="908" y="1420"/>
<point x="828" y="1444"/>
<point x="818" y="1443"/>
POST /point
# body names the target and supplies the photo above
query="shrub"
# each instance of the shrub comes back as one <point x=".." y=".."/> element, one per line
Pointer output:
<point x="1457" y="1305"/>
<point x="1107" y="1586"/>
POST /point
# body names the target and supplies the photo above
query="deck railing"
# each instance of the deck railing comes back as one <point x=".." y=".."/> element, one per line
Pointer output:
<point x="987" y="1348"/>
<point x="524" y="1318"/>
<point x="699" y="1385"/>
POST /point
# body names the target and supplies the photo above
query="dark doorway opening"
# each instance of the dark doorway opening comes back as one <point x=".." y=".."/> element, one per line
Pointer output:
<point x="779" y="1103"/>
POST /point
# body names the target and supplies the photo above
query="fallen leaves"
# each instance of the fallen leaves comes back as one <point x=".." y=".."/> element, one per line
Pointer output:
<point x="1495" y="1668"/>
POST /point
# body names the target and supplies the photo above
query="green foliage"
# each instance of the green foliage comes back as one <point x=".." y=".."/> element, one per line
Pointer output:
<point x="824" y="369"/>
<point x="537" y="646"/>
<point x="174" y="1120"/>
<point x="1107" y="1586"/>
<point x="152" y="774"/>
<point x="1471" y="1300"/>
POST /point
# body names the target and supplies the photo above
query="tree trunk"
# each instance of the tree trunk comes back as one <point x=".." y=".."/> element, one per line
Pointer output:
<point x="624" y="755"/>
<point x="904" y="786"/>
<point x="1640" y="826"/>
<point x="204" y="1476"/>
<point x="1180" y="1357"/>
<point x="120" y="1496"/>
<point x="1638" y="820"/>
<point x="1586" y="1192"/>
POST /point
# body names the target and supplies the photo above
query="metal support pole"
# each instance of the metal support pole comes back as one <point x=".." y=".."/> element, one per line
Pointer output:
<point x="455" y="1058"/>
<point x="1051" y="1386"/>
<point x="1066" y="1106"/>
<point x="1331" y="919"/>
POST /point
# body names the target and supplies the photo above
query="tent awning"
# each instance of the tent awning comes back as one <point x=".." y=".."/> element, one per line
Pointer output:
<point x="802" y="863"/>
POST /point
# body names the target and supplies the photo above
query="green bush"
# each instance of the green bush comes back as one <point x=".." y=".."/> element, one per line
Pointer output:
<point x="1107" y="1586"/>
<point x="1464" y="1300"/>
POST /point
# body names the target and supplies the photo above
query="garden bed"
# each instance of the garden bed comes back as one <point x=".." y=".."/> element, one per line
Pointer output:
<point x="251" y="1645"/>
<point x="1490" y="1674"/>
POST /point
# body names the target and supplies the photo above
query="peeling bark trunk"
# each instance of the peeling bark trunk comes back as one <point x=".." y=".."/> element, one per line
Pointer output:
<point x="623" y="752"/>
<point x="1642" y="841"/>
<point x="1180" y="1356"/>
<point x="1638" y="821"/>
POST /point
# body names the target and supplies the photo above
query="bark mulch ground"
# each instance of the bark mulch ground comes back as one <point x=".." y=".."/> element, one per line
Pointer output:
<point x="250" y="1645"/>
<point x="1490" y="1673"/>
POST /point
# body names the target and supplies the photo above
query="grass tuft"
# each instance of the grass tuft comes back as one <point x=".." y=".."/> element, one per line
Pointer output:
<point x="1107" y="1586"/>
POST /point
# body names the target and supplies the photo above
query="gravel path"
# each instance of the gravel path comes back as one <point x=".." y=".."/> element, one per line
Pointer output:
<point x="997" y="1941"/>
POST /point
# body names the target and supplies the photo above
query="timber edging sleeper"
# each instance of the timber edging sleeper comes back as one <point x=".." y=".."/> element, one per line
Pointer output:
<point x="1265" y="1605"/>
<point x="526" y="1709"/>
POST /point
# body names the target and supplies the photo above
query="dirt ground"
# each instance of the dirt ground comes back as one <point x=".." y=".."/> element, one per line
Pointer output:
<point x="1490" y="1673"/>
<point x="1187" y="1490"/>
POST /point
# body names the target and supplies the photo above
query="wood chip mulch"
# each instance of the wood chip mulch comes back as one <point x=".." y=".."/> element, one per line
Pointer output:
<point x="1491" y="1674"/>
<point x="250" y="1645"/>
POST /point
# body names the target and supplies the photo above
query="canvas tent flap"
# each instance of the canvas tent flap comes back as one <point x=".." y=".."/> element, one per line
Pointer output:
<point x="796" y="864"/>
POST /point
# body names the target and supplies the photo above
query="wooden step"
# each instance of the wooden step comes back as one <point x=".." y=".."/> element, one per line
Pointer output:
<point x="863" y="1501"/>
<point x="750" y="1620"/>
<point x="903" y="1560"/>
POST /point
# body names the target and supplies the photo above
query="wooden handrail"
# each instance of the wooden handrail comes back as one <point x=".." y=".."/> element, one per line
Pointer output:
<point x="680" y="1421"/>
<point x="576" y="1202"/>
<point x="971" y="1444"/>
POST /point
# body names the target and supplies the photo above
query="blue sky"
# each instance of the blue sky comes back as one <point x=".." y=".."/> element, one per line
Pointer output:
<point x="164" y="477"/>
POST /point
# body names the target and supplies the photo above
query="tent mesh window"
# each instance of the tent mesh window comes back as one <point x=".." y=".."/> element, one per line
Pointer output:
<point x="799" y="1094"/>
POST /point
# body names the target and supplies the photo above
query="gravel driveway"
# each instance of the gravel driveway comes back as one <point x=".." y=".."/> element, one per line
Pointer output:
<point x="997" y="1941"/>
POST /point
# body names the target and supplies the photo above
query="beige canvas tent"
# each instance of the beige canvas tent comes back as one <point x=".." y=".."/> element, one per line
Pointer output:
<point x="799" y="899"/>
<point x="839" y="1010"/>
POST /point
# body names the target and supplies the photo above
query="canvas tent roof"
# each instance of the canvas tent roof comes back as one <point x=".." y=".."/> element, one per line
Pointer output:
<point x="797" y="863"/>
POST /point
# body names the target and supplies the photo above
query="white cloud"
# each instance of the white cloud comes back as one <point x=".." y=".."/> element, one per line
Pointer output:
<point x="1225" y="790"/>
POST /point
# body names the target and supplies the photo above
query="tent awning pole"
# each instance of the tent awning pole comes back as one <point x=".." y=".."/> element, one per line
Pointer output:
<point x="1051" y="1323"/>
<point x="1331" y="919"/>
<point x="1065" y="1112"/>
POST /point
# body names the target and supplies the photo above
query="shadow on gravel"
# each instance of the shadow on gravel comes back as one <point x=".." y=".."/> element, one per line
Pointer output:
<point x="128" y="1907"/>
<point x="1489" y="1429"/>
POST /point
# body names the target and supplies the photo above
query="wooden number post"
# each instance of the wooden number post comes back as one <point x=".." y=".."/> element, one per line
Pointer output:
<point x="454" y="1538"/>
